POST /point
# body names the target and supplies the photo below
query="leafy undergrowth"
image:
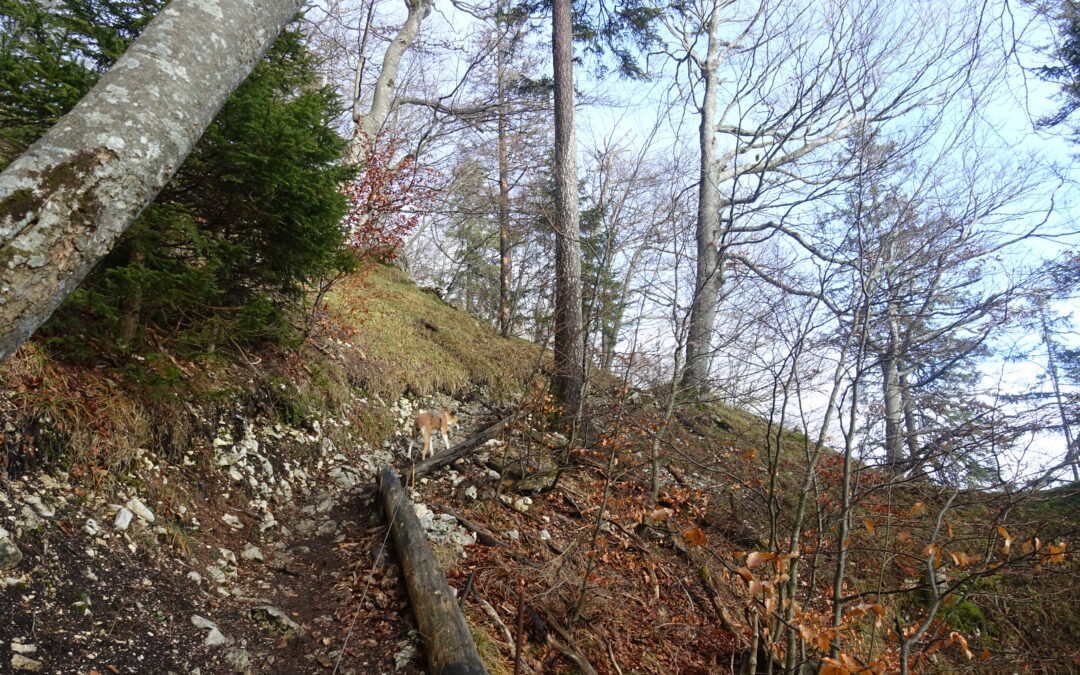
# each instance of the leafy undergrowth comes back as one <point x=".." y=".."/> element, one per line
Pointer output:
<point x="679" y="586"/>
<point x="603" y="576"/>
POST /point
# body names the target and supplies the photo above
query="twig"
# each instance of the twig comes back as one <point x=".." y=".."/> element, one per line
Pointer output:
<point x="611" y="655"/>
<point x="563" y="643"/>
<point x="483" y="535"/>
<point x="468" y="589"/>
<point x="520" y="626"/>
<point x="246" y="359"/>
<point x="725" y="619"/>
<point x="494" y="616"/>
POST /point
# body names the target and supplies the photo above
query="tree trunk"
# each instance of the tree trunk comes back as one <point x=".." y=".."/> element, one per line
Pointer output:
<point x="709" y="268"/>
<point x="131" y="306"/>
<point x="892" y="397"/>
<point x="1055" y="381"/>
<point x="368" y="125"/>
<point x="504" y="199"/>
<point x="569" y="349"/>
<point x="447" y="640"/>
<point x="67" y="199"/>
<point x="911" y="426"/>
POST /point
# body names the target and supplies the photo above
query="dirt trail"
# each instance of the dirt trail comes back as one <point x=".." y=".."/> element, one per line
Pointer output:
<point x="255" y="555"/>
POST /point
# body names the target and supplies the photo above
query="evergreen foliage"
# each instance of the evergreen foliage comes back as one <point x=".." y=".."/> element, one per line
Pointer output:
<point x="1066" y="72"/>
<point x="251" y="218"/>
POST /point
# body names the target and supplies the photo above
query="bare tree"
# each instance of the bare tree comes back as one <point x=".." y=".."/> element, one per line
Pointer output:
<point x="775" y="86"/>
<point x="369" y="123"/>
<point x="67" y="199"/>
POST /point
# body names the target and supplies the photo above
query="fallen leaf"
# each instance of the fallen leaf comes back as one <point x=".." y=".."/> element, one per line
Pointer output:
<point x="1056" y="552"/>
<point x="662" y="513"/>
<point x="695" y="536"/>
<point x="755" y="588"/>
<point x="758" y="557"/>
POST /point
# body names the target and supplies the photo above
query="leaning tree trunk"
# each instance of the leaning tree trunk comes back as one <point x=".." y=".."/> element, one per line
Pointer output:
<point x="67" y="199"/>
<point x="569" y="346"/>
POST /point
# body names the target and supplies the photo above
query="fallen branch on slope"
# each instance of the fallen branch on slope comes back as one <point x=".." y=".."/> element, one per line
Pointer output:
<point x="424" y="467"/>
<point x="449" y="645"/>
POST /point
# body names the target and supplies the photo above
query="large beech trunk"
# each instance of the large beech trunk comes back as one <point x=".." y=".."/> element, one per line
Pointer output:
<point x="67" y="199"/>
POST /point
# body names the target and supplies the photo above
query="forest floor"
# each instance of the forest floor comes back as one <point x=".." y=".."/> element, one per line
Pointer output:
<point x="165" y="515"/>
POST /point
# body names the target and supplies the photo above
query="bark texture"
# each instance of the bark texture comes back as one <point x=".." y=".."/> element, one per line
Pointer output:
<point x="504" y="197"/>
<point x="569" y="345"/>
<point x="447" y="641"/>
<point x="67" y="199"/>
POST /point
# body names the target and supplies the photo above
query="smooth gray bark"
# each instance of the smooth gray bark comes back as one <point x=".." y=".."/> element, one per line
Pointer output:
<point x="67" y="199"/>
<point x="709" y="269"/>
<point x="369" y="124"/>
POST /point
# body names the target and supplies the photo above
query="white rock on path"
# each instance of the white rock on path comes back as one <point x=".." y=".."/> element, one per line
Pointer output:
<point x="214" y="637"/>
<point x="123" y="519"/>
<point x="138" y="508"/>
<point x="252" y="552"/>
<point x="232" y="521"/>
<point x="20" y="662"/>
<point x="278" y="621"/>
<point x="43" y="509"/>
<point x="10" y="555"/>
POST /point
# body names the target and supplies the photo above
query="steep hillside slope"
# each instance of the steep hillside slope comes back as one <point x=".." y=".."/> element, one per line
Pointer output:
<point x="161" y="513"/>
<point x="169" y="514"/>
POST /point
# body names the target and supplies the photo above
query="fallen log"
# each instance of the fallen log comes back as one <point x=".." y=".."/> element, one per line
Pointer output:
<point x="424" y="467"/>
<point x="448" y="643"/>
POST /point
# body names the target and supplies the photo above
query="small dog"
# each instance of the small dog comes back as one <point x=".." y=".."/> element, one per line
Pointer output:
<point x="426" y="423"/>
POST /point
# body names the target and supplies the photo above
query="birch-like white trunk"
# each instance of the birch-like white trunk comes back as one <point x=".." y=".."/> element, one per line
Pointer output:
<point x="67" y="199"/>
<point x="370" y="123"/>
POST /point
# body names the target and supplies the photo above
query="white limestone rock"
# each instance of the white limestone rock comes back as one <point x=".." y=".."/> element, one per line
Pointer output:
<point x="122" y="519"/>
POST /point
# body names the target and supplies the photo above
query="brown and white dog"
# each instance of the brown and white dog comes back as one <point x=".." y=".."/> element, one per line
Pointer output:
<point x="426" y="423"/>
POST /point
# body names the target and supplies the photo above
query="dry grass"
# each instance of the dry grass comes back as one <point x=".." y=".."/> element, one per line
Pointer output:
<point x="410" y="340"/>
<point x="70" y="416"/>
